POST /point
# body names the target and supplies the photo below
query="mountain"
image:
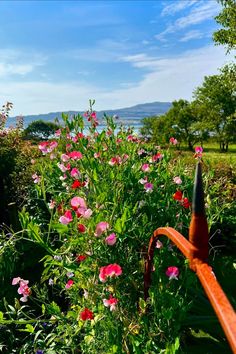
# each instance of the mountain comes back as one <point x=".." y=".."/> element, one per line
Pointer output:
<point x="130" y="115"/>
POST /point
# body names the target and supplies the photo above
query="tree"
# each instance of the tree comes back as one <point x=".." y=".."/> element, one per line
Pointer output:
<point x="217" y="97"/>
<point x="227" y="19"/>
<point x="181" y="118"/>
<point x="40" y="129"/>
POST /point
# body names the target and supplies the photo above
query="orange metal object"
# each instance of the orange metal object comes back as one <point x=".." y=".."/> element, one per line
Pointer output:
<point x="196" y="250"/>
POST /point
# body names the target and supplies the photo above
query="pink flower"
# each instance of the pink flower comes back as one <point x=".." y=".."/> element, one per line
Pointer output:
<point x="198" y="152"/>
<point x="66" y="218"/>
<point x="52" y="204"/>
<point x="97" y="155"/>
<point x="75" y="155"/>
<point x="156" y="157"/>
<point x="36" y="178"/>
<point x="159" y="244"/>
<point x="177" y="180"/>
<point x="52" y="146"/>
<point x="16" y="280"/>
<point x="101" y="227"/>
<point x="23" y="288"/>
<point x="143" y="180"/>
<point x="111" y="302"/>
<point x="111" y="239"/>
<point x="69" y="284"/>
<point x="86" y="213"/>
<point x="145" y="167"/>
<point x="78" y="202"/>
<point x="58" y="132"/>
<point x="172" y="273"/>
<point x="62" y="167"/>
<point x="111" y="270"/>
<point x="75" y="173"/>
<point x="43" y="147"/>
<point x="115" y="161"/>
<point x="148" y="187"/>
<point x="173" y="141"/>
<point x="64" y="157"/>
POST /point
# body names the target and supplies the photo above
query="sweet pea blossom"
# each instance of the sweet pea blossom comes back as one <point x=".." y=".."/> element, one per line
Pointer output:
<point x="66" y="218"/>
<point x="143" y="180"/>
<point x="172" y="273"/>
<point x="75" y="155"/>
<point x="36" y="178"/>
<point x="69" y="284"/>
<point x="111" y="270"/>
<point x="173" y="141"/>
<point x="178" y="195"/>
<point x="111" y="239"/>
<point x="145" y="167"/>
<point x="23" y="288"/>
<point x="86" y="314"/>
<point x="111" y="302"/>
<point x="159" y="244"/>
<point x="100" y="228"/>
<point x="78" y="202"/>
<point x="64" y="157"/>
<point x="156" y="157"/>
<point x="148" y="187"/>
<point x="81" y="228"/>
<point x="75" y="173"/>
<point x="186" y="203"/>
<point x="198" y="152"/>
<point x="177" y="180"/>
<point x="52" y="204"/>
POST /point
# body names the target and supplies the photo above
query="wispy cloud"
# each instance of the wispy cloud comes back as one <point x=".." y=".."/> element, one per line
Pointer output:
<point x="195" y="34"/>
<point x="202" y="11"/>
<point x="15" y="62"/>
<point x="173" y="8"/>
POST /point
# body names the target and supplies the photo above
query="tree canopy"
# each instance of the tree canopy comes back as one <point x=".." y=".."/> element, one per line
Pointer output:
<point x="227" y="19"/>
<point x="40" y="129"/>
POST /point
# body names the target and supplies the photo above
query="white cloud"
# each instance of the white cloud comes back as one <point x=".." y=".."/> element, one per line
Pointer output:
<point x="15" y="62"/>
<point x="167" y="79"/>
<point x="195" y="34"/>
<point x="201" y="12"/>
<point x="177" y="6"/>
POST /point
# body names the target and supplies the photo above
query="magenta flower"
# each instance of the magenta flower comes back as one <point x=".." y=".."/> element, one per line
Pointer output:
<point x="172" y="273"/>
<point x="101" y="227"/>
<point x="111" y="239"/>
<point x="75" y="155"/>
<point x="198" y="152"/>
<point x="111" y="270"/>
<point x="148" y="187"/>
<point x="66" y="218"/>
<point x="69" y="284"/>
<point x="145" y="167"/>
<point x="75" y="173"/>
<point x="111" y="302"/>
<point x="177" y="180"/>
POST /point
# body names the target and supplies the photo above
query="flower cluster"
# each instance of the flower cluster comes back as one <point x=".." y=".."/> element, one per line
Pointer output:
<point x="23" y="288"/>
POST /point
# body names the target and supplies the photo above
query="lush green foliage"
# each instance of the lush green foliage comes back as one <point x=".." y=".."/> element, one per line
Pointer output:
<point x="88" y="188"/>
<point x="227" y="19"/>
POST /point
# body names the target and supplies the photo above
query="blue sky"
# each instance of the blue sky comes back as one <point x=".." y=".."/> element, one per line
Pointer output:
<point x="56" y="55"/>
